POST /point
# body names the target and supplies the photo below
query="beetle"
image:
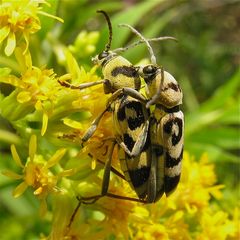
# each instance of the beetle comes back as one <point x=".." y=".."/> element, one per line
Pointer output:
<point x="166" y="125"/>
<point x="130" y="120"/>
<point x="130" y="123"/>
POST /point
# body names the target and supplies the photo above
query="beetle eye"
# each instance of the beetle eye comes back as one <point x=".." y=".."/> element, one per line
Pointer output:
<point x="103" y="55"/>
<point x="149" y="69"/>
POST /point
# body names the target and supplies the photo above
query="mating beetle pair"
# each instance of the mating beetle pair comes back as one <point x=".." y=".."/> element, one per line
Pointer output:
<point x="150" y="143"/>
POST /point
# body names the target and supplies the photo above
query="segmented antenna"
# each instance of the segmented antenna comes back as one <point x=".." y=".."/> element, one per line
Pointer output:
<point x="108" y="45"/>
<point x="123" y="49"/>
<point x="152" y="56"/>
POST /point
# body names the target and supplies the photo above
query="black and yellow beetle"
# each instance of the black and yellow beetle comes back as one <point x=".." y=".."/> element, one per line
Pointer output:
<point x="166" y="125"/>
<point x="139" y="157"/>
<point x="131" y="120"/>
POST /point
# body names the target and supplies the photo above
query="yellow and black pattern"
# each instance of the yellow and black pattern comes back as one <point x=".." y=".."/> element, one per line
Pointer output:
<point x="129" y="118"/>
<point x="150" y="143"/>
<point x="172" y="126"/>
<point x="166" y="129"/>
<point x="118" y="73"/>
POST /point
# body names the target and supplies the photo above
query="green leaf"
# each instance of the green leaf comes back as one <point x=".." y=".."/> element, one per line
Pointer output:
<point x="215" y="153"/>
<point x="224" y="137"/>
<point x="231" y="114"/>
<point x="226" y="91"/>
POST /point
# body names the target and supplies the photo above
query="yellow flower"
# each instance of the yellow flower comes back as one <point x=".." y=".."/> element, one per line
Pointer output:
<point x="91" y="100"/>
<point x="36" y="173"/>
<point x="36" y="88"/>
<point x="176" y="226"/>
<point x="19" y="19"/>
<point x="164" y="228"/>
<point x="216" y="226"/>
<point x="151" y="232"/>
<point x="197" y="185"/>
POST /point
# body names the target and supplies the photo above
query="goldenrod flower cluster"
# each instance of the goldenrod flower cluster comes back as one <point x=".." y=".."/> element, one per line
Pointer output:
<point x="50" y="121"/>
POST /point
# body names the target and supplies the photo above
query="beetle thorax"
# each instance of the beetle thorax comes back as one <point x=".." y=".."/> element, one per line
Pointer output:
<point x="119" y="73"/>
<point x="170" y="94"/>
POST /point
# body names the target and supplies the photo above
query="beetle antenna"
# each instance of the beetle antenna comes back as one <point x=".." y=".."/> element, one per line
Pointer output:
<point x="134" y="44"/>
<point x="108" y="45"/>
<point x="152" y="56"/>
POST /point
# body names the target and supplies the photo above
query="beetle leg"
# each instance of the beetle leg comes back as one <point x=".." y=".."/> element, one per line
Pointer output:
<point x="138" y="145"/>
<point x="134" y="94"/>
<point x="156" y="96"/>
<point x="81" y="86"/>
<point x="93" y="127"/>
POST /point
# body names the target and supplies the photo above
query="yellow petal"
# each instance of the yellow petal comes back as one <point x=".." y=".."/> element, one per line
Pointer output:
<point x="38" y="191"/>
<point x="93" y="163"/>
<point x="19" y="189"/>
<point x="13" y="80"/>
<point x="16" y="157"/>
<point x="24" y="60"/>
<point x="65" y="77"/>
<point x="11" y="44"/>
<point x="4" y="32"/>
<point x="32" y="146"/>
<point x="26" y="37"/>
<point x="44" y="123"/>
<point x="23" y="97"/>
<point x="28" y="59"/>
<point x="73" y="124"/>
<point x="11" y="174"/>
<point x="30" y="173"/>
<point x="38" y="105"/>
<point x="55" y="158"/>
<point x="72" y="65"/>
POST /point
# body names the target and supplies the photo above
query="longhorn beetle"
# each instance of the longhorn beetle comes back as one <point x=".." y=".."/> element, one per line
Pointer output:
<point x="130" y="122"/>
<point x="130" y="119"/>
<point x="166" y="123"/>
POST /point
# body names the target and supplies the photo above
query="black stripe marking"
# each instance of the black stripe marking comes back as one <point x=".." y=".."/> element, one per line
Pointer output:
<point x="168" y="126"/>
<point x="147" y="143"/>
<point x="128" y="71"/>
<point x="135" y="122"/>
<point x="169" y="110"/>
<point x="171" y="162"/>
<point x="172" y="110"/>
<point x="139" y="176"/>
<point x="128" y="140"/>
<point x="168" y="129"/>
<point x="174" y="87"/>
<point x="177" y="138"/>
<point x="171" y="183"/>
<point x="157" y="150"/>
<point x="121" y="115"/>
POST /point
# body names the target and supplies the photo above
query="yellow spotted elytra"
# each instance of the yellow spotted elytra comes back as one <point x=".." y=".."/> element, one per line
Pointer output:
<point x="166" y="126"/>
<point x="143" y="138"/>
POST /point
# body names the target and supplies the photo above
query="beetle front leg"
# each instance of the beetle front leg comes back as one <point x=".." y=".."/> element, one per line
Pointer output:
<point x="139" y="144"/>
<point x="91" y="130"/>
<point x="134" y="94"/>
<point x="81" y="86"/>
<point x="155" y="98"/>
<point x="129" y="92"/>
